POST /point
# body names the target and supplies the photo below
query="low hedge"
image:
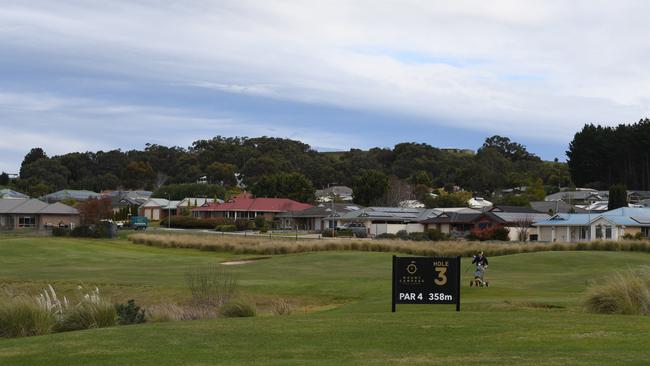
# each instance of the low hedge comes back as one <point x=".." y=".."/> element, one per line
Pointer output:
<point x="185" y="222"/>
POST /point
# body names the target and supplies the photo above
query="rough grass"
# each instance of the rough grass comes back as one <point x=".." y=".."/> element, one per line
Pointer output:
<point x="238" y="309"/>
<point x="263" y="246"/>
<point x="21" y="317"/>
<point x="622" y="293"/>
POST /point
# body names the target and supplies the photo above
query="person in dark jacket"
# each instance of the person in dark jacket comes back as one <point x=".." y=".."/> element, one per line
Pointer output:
<point x="481" y="262"/>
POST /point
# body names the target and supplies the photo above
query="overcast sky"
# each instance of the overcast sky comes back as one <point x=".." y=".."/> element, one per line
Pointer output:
<point x="91" y="75"/>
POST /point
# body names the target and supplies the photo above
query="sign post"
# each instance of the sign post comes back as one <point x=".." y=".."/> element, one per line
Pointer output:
<point x="426" y="280"/>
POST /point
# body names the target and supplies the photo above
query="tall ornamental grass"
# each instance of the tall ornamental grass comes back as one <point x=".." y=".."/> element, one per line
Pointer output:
<point x="48" y="312"/>
<point x="22" y="317"/>
<point x="265" y="246"/>
<point x="621" y="293"/>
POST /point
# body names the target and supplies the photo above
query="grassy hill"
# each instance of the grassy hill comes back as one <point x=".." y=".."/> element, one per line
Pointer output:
<point x="527" y="316"/>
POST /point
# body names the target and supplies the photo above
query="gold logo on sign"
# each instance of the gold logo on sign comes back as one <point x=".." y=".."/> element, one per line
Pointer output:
<point x="411" y="268"/>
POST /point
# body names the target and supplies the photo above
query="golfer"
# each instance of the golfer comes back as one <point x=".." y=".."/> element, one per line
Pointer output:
<point x="481" y="264"/>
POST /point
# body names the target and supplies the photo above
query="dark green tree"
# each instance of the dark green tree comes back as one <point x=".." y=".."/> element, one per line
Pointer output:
<point x="617" y="197"/>
<point x="32" y="156"/>
<point x="369" y="187"/>
<point x="4" y="179"/>
<point x="294" y="186"/>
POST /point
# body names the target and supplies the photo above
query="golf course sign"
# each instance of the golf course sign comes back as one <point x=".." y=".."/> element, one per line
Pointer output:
<point x="426" y="280"/>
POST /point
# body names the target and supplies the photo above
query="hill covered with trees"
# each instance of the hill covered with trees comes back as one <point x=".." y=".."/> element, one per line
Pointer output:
<point x="282" y="167"/>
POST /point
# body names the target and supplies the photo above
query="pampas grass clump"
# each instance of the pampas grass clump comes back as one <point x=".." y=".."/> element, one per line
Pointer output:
<point x="622" y="293"/>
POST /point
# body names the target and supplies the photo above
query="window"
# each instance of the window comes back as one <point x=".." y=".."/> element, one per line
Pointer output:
<point x="599" y="232"/>
<point x="585" y="232"/>
<point x="26" y="221"/>
<point x="646" y="231"/>
<point x="608" y="232"/>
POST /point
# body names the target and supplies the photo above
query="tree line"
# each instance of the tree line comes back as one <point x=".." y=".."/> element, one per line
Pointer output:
<point x="602" y="156"/>
<point x="277" y="167"/>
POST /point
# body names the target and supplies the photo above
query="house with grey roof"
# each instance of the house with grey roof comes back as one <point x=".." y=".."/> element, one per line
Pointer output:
<point x="381" y="220"/>
<point x="70" y="194"/>
<point x="158" y="208"/>
<point x="325" y="216"/>
<point x="609" y="225"/>
<point x="10" y="193"/>
<point x="18" y="213"/>
<point x="553" y="207"/>
<point x="339" y="193"/>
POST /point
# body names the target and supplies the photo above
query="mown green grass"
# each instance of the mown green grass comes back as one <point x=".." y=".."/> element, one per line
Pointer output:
<point x="503" y="324"/>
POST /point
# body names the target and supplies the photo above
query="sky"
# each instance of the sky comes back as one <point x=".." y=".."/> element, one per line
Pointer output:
<point x="102" y="75"/>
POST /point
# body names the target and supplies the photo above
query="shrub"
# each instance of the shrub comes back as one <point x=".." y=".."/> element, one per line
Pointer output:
<point x="226" y="228"/>
<point x="260" y="222"/>
<point x="186" y="222"/>
<point x="21" y="317"/>
<point x="436" y="235"/>
<point x="60" y="231"/>
<point x="129" y="313"/>
<point x="489" y="234"/>
<point x="402" y="234"/>
<point x="238" y="309"/>
<point x="83" y="231"/>
<point x="281" y="306"/>
<point x="360" y="234"/>
<point x="386" y="236"/>
<point x="418" y="236"/>
<point x="211" y="285"/>
<point x="244" y="224"/>
<point x="621" y="293"/>
<point x="87" y="315"/>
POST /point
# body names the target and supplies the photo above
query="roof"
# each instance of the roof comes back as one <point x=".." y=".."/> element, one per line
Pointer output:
<point x="10" y="193"/>
<point x="513" y="209"/>
<point x="578" y="195"/>
<point x="395" y="214"/>
<point x="453" y="217"/>
<point x="245" y="202"/>
<point x="324" y="210"/>
<point x="64" y="194"/>
<point x="197" y="201"/>
<point x="520" y="217"/>
<point x="621" y="216"/>
<point x="341" y="191"/>
<point x="34" y="206"/>
<point x="555" y="207"/>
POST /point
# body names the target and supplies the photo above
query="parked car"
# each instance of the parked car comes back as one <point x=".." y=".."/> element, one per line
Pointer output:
<point x="357" y="228"/>
<point x="139" y="222"/>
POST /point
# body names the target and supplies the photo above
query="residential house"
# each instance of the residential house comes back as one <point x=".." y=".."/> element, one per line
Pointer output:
<point x="158" y="208"/>
<point x="458" y="222"/>
<point x="190" y="202"/>
<point x="126" y="199"/>
<point x="340" y="193"/>
<point x="325" y="216"/>
<point x="609" y="225"/>
<point x="245" y="206"/>
<point x="553" y="207"/>
<point x="479" y="203"/>
<point x="17" y="213"/>
<point x="519" y="221"/>
<point x="10" y="193"/>
<point x="70" y="194"/>
<point x="381" y="220"/>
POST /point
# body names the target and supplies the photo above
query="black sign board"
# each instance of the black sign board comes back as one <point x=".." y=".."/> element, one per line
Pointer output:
<point x="426" y="280"/>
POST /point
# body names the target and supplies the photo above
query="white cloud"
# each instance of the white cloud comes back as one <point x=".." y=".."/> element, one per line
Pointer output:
<point x="539" y="69"/>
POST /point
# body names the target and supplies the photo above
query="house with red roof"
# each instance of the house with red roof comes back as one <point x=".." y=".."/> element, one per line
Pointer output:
<point x="245" y="206"/>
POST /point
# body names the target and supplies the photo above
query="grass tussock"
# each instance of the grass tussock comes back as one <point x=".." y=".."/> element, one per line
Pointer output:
<point x="238" y="309"/>
<point x="621" y="293"/>
<point x="172" y="312"/>
<point x="281" y="306"/>
<point x="263" y="246"/>
<point x="22" y="317"/>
